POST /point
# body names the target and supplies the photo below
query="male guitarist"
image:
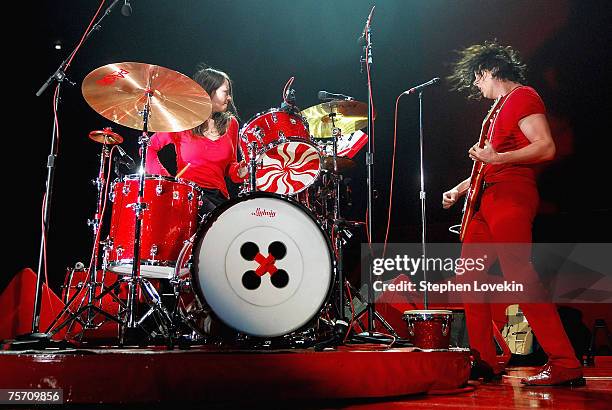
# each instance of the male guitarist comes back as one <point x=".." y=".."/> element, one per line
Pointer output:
<point x="515" y="136"/>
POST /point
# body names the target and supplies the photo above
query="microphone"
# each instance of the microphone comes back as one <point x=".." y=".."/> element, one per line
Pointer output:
<point x="431" y="82"/>
<point x="362" y="37"/>
<point x="325" y="96"/>
<point x="126" y="159"/>
<point x="126" y="9"/>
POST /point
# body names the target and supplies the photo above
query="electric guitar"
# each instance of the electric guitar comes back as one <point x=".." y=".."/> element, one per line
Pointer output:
<point x="476" y="177"/>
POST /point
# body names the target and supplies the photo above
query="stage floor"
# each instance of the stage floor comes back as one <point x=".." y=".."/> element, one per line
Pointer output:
<point x="367" y="377"/>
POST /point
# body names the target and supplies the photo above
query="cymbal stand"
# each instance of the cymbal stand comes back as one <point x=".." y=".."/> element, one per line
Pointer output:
<point x="135" y="282"/>
<point x="367" y="62"/>
<point x="91" y="284"/>
<point x="339" y="236"/>
<point x="337" y="226"/>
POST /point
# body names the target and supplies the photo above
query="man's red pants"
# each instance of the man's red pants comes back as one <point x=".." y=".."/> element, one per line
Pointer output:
<point x="505" y="216"/>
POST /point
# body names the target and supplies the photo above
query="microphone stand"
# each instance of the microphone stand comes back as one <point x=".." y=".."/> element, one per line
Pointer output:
<point x="422" y="198"/>
<point x="58" y="75"/>
<point x="422" y="192"/>
<point x="369" y="166"/>
<point x="370" y="335"/>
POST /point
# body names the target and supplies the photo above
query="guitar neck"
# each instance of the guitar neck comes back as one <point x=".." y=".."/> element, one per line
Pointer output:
<point x="476" y="175"/>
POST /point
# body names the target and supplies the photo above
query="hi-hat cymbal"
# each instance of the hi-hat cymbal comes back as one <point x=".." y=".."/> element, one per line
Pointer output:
<point x="349" y="116"/>
<point x="344" y="163"/>
<point x="106" y="136"/>
<point x="119" y="92"/>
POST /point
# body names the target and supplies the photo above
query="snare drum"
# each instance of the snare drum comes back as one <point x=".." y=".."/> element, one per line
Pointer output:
<point x="287" y="161"/>
<point x="263" y="265"/>
<point x="170" y="218"/>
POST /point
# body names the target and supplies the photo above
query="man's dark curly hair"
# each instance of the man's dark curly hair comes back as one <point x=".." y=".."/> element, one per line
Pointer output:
<point x="503" y="62"/>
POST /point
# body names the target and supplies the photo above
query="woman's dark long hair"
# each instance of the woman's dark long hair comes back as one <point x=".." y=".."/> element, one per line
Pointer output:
<point x="210" y="79"/>
<point x="503" y="62"/>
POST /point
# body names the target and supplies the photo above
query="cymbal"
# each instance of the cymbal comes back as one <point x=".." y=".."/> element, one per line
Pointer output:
<point x="119" y="92"/>
<point x="344" y="163"/>
<point x="106" y="136"/>
<point x="350" y="116"/>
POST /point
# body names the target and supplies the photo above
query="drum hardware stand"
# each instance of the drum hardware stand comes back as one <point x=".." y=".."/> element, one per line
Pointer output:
<point x="340" y="326"/>
<point x="177" y="315"/>
<point x="355" y="292"/>
<point x="59" y="75"/>
<point x="129" y="326"/>
<point x="252" y="166"/>
<point x="92" y="284"/>
<point x="366" y="60"/>
<point x="336" y="224"/>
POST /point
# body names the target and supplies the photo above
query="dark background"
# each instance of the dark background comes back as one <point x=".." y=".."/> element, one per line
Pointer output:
<point x="261" y="44"/>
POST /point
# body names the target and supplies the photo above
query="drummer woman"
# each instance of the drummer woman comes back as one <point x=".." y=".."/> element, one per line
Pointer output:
<point x="206" y="153"/>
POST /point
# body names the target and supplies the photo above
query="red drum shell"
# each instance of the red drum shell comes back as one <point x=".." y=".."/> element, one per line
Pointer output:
<point x="429" y="329"/>
<point x="170" y="218"/>
<point x="288" y="168"/>
<point x="270" y="126"/>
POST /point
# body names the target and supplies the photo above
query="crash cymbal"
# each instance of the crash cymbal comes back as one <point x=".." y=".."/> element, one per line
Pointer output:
<point x="350" y="116"/>
<point x="344" y="163"/>
<point x="119" y="92"/>
<point x="106" y="136"/>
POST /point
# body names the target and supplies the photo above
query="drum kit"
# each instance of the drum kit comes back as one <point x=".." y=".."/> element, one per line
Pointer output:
<point x="264" y="266"/>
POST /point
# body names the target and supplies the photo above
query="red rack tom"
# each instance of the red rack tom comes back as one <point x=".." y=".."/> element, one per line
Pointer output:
<point x="170" y="218"/>
<point x="287" y="161"/>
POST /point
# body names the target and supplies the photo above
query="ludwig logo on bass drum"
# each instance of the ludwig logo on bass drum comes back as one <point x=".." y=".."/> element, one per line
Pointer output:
<point x="264" y="212"/>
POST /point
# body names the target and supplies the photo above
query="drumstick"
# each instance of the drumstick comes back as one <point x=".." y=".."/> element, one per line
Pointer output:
<point x="182" y="171"/>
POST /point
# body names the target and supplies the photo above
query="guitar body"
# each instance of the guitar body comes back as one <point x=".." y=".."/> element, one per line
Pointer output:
<point x="476" y="177"/>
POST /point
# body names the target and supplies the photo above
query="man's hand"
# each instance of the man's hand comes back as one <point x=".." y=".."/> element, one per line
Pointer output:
<point x="487" y="154"/>
<point x="449" y="198"/>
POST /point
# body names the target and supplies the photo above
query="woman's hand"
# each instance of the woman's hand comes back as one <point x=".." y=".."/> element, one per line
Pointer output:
<point x="242" y="169"/>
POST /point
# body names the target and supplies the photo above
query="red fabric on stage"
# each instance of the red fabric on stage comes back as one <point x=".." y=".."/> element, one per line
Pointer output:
<point x="17" y="306"/>
<point x="205" y="374"/>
